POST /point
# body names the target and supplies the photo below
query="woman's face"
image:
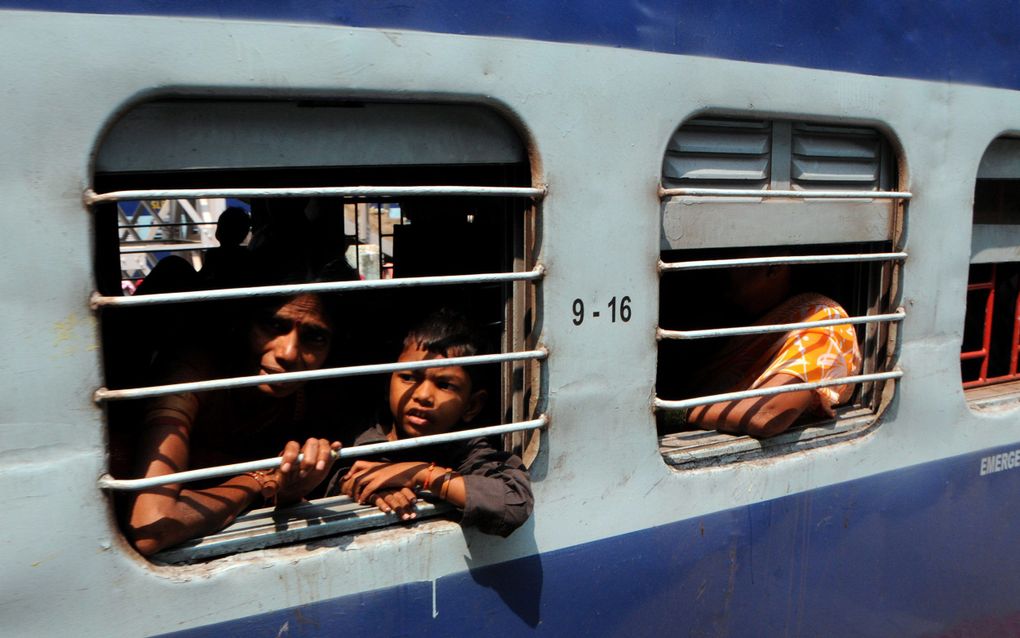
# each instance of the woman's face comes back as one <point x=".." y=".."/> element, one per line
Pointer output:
<point x="292" y="338"/>
<point x="757" y="289"/>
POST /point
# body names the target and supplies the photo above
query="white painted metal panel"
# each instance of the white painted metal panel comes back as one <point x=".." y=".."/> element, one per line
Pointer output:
<point x="182" y="134"/>
<point x="995" y="243"/>
<point x="717" y="223"/>
<point x="1001" y="160"/>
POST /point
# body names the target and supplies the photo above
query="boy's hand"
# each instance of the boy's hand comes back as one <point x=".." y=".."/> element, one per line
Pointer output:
<point x="400" y="502"/>
<point x="366" y="479"/>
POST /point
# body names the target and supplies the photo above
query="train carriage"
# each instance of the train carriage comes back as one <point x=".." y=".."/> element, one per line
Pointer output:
<point x="583" y="177"/>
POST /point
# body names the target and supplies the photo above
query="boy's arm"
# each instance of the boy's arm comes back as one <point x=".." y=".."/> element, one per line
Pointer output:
<point x="491" y="487"/>
<point x="497" y="495"/>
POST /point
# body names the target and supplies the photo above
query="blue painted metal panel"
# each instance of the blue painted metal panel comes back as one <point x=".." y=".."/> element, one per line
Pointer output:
<point x="952" y="40"/>
<point x="924" y="550"/>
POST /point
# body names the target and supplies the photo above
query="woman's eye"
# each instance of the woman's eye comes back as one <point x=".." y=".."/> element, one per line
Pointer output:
<point x="317" y="338"/>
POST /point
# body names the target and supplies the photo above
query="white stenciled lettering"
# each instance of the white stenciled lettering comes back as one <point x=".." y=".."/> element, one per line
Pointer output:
<point x="1000" y="462"/>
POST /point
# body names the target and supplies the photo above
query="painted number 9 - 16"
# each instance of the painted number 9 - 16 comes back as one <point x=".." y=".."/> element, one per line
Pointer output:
<point x="616" y="310"/>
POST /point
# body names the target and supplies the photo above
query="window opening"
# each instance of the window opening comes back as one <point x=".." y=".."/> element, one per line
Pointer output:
<point x="991" y="332"/>
<point x="411" y="239"/>
<point x="746" y="198"/>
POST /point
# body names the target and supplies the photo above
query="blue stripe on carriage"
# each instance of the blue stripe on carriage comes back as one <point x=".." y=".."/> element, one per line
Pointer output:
<point x="929" y="549"/>
<point x="951" y="40"/>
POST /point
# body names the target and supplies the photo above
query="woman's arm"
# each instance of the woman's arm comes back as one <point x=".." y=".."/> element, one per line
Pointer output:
<point x="170" y="514"/>
<point x="758" y="416"/>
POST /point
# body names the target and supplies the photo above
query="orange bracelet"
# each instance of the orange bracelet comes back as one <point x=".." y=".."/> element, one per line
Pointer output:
<point x="428" y="476"/>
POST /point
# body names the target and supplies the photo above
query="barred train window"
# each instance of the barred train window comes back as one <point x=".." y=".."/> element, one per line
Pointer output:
<point x="390" y="209"/>
<point x="991" y="333"/>
<point x="765" y="224"/>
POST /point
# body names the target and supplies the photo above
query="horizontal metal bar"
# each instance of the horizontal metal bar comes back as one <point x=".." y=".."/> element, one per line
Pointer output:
<point x="748" y="192"/>
<point x="252" y="292"/>
<point x="987" y="381"/>
<point x="165" y="224"/>
<point x="166" y="248"/>
<point x="103" y="394"/>
<point x="973" y="354"/>
<point x="776" y="327"/>
<point x="110" y="483"/>
<point x="793" y="260"/>
<point x="662" y="404"/>
<point x="91" y="197"/>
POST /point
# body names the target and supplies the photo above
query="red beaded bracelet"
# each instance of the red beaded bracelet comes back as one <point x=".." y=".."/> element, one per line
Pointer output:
<point x="428" y="476"/>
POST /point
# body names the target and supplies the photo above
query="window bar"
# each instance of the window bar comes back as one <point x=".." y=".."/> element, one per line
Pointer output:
<point x="378" y="234"/>
<point x="110" y="483"/>
<point x="777" y="327"/>
<point x="357" y="239"/>
<point x="91" y="197"/>
<point x="740" y="192"/>
<point x="744" y="262"/>
<point x="165" y="224"/>
<point x="520" y="227"/>
<point x="986" y="333"/>
<point x="251" y="292"/>
<point x="663" y="404"/>
<point x="881" y="278"/>
<point x="104" y="394"/>
<point x="163" y="248"/>
<point x="1016" y="337"/>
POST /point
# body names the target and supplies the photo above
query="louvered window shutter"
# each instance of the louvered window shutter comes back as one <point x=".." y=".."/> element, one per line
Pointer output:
<point x="719" y="154"/>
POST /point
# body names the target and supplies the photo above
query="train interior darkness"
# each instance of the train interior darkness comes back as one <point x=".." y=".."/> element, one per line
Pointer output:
<point x="304" y="239"/>
<point x="993" y="291"/>
<point x="701" y="299"/>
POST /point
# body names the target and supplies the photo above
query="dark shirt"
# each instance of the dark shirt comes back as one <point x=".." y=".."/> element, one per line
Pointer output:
<point x="498" y="489"/>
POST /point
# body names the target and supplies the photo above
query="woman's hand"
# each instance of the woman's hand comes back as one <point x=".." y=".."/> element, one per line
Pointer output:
<point x="297" y="478"/>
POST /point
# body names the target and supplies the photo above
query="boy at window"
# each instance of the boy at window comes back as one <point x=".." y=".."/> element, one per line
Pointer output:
<point x="768" y="360"/>
<point x="490" y="487"/>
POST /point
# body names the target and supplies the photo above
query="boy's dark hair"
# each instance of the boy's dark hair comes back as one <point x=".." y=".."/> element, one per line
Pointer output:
<point x="449" y="333"/>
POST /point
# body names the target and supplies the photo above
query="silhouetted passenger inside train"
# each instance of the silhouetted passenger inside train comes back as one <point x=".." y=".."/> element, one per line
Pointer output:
<point x="300" y="235"/>
<point x="170" y="274"/>
<point x="230" y="264"/>
<point x="764" y="295"/>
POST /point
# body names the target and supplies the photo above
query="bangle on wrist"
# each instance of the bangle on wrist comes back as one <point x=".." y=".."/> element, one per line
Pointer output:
<point x="268" y="485"/>
<point x="428" y="477"/>
<point x="444" y="489"/>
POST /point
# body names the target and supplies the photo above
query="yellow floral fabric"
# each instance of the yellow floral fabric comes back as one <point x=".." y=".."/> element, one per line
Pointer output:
<point x="813" y="354"/>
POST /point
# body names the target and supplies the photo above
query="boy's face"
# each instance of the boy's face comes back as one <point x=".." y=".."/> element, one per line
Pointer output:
<point x="431" y="401"/>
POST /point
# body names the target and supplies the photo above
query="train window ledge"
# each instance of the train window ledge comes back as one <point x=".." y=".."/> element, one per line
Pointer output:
<point x="702" y="448"/>
<point x="308" y="521"/>
<point x="999" y="396"/>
